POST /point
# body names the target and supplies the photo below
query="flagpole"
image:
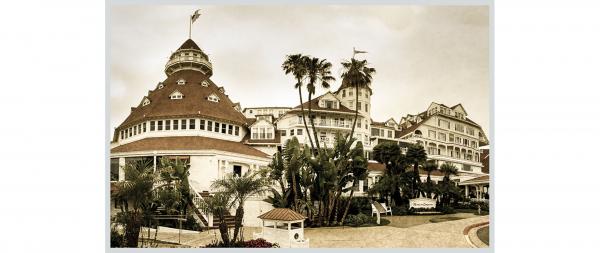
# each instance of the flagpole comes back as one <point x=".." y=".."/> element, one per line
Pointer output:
<point x="190" y="33"/>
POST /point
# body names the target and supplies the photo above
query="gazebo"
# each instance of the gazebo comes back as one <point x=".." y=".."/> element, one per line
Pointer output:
<point x="284" y="227"/>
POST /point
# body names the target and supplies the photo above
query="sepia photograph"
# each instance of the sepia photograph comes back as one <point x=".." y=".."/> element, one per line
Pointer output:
<point x="301" y="126"/>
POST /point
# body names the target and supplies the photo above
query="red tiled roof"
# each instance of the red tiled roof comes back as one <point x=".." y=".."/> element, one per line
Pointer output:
<point x="194" y="102"/>
<point x="282" y="214"/>
<point x="188" y="143"/>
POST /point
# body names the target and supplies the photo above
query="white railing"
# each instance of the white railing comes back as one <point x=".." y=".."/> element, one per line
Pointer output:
<point x="196" y="201"/>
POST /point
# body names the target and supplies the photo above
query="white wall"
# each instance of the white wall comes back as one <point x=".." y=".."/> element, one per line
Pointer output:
<point x="252" y="209"/>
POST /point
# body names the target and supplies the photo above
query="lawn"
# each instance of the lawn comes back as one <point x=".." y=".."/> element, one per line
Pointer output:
<point x="484" y="234"/>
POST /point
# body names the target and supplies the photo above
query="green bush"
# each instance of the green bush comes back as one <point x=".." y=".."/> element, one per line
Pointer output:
<point x="360" y="205"/>
<point x="116" y="239"/>
<point x="360" y="219"/>
<point x="400" y="210"/>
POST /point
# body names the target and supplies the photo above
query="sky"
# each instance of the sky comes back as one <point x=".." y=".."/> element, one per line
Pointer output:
<point x="422" y="54"/>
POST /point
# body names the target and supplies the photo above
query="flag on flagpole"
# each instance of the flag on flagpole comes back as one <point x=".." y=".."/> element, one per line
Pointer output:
<point x="196" y="15"/>
<point x="359" y="52"/>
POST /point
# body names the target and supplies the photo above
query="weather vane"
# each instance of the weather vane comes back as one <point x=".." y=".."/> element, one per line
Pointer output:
<point x="357" y="52"/>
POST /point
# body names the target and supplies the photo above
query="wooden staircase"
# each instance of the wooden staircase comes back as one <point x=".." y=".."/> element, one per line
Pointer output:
<point x="229" y="219"/>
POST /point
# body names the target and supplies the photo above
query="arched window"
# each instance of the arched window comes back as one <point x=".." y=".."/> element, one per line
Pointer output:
<point x="176" y="95"/>
<point x="213" y="98"/>
<point x="418" y="132"/>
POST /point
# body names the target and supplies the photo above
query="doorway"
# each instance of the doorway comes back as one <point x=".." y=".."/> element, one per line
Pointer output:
<point x="237" y="170"/>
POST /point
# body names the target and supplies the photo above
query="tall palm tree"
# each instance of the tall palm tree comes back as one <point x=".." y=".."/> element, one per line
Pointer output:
<point x="358" y="166"/>
<point x="293" y="161"/>
<point x="357" y="74"/>
<point x="134" y="196"/>
<point x="295" y="64"/>
<point x="416" y="155"/>
<point x="240" y="188"/>
<point x="318" y="71"/>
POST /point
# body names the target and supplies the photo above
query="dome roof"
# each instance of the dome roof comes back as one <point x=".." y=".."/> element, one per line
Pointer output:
<point x="189" y="56"/>
<point x="194" y="103"/>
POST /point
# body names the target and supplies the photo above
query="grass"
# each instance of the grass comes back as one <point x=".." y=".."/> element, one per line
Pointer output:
<point x="484" y="234"/>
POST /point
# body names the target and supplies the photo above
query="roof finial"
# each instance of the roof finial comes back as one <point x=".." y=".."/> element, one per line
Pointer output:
<point x="354" y="52"/>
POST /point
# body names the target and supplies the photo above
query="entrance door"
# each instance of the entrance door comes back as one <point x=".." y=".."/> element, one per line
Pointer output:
<point x="237" y="170"/>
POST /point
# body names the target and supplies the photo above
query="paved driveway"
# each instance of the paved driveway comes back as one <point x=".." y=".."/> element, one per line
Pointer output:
<point x="398" y="234"/>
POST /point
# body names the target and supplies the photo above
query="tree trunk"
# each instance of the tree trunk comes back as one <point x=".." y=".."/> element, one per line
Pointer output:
<point x="223" y="228"/>
<point x="294" y="190"/>
<point x="347" y="206"/>
<point x="355" y="118"/>
<point x="312" y="124"/>
<point x="312" y="146"/>
<point x="239" y="215"/>
<point x="132" y="230"/>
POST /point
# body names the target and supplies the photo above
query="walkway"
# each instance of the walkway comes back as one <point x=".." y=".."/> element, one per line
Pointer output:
<point x="448" y="234"/>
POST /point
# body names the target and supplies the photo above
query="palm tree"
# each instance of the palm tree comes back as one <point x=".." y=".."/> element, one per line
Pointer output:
<point x="134" y="196"/>
<point x="218" y="205"/>
<point x="318" y="70"/>
<point x="240" y="188"/>
<point x="356" y="74"/>
<point x="295" y="64"/>
<point x="416" y="155"/>
<point x="429" y="167"/>
<point x="448" y="170"/>
<point x="359" y="172"/>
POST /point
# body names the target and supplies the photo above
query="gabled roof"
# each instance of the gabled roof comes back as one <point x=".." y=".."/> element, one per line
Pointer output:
<point x="315" y="105"/>
<point x="194" y="104"/>
<point x="282" y="214"/>
<point x="188" y="143"/>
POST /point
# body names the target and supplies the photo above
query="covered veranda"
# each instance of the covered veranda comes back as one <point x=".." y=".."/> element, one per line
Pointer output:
<point x="477" y="189"/>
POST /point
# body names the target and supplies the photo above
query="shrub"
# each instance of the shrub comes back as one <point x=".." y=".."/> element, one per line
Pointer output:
<point x="360" y="219"/>
<point x="446" y="210"/>
<point x="360" y="205"/>
<point x="257" y="243"/>
<point x="400" y="210"/>
<point x="116" y="239"/>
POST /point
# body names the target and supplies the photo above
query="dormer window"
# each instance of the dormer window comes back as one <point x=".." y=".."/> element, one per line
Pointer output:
<point x="181" y="82"/>
<point x="160" y="86"/>
<point x="204" y="83"/>
<point x="222" y="90"/>
<point x="145" y="102"/>
<point x="176" y="95"/>
<point x="213" y="98"/>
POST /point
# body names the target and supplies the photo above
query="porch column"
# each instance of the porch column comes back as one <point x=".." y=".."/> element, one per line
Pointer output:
<point x="121" y="169"/>
<point x="466" y="191"/>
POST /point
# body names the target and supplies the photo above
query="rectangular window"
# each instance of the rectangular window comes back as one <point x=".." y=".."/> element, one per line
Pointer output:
<point x="466" y="142"/>
<point x="230" y="129"/>
<point x="254" y="133"/>
<point x="389" y="133"/>
<point x="237" y="131"/>
<point x="442" y="136"/>
<point x="431" y="134"/>
<point x="292" y="132"/>
<point x="470" y="131"/>
<point x="299" y="132"/>
<point x="223" y="128"/>
<point x="262" y="133"/>
<point x="350" y="92"/>
<point x="114" y="169"/>
<point x="217" y="127"/>
<point x="283" y="132"/>
<point x="167" y="124"/>
<point x="202" y="124"/>
<point x="358" y="124"/>
<point x="152" y="125"/>
<point x="343" y="93"/>
<point x="134" y="130"/>
<point x="299" y="119"/>
<point x="451" y="137"/>
<point x="183" y="124"/>
<point x="192" y="124"/>
<point x="121" y="134"/>
<point x="269" y="133"/>
<point x="175" y="124"/>
<point x="459" y="127"/>
<point x="209" y="126"/>
<point x="358" y="107"/>
<point x="366" y="107"/>
<point x="374" y="131"/>
<point x="160" y="125"/>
